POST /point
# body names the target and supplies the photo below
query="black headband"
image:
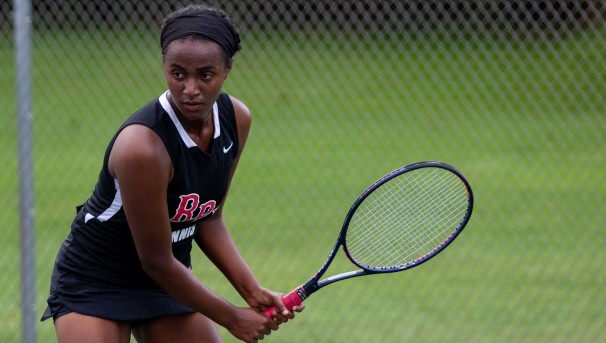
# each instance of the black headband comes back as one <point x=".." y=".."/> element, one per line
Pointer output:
<point x="204" y="24"/>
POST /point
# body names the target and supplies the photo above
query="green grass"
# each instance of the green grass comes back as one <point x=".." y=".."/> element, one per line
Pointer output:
<point x="525" y="127"/>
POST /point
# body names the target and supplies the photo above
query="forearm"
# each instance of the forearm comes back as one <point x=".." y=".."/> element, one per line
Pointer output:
<point x="218" y="245"/>
<point x="181" y="283"/>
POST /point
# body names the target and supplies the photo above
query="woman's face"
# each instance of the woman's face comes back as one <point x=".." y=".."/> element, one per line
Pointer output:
<point x="195" y="70"/>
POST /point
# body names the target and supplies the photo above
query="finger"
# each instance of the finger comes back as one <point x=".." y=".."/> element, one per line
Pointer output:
<point x="280" y="320"/>
<point x="281" y="307"/>
<point x="278" y="317"/>
<point x="273" y="324"/>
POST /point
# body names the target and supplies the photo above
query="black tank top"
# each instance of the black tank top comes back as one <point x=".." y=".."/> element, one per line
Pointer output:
<point x="100" y="247"/>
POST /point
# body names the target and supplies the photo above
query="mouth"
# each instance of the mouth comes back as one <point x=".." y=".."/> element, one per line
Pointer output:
<point x="191" y="106"/>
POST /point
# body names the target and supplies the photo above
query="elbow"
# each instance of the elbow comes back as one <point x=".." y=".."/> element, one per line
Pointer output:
<point x="155" y="267"/>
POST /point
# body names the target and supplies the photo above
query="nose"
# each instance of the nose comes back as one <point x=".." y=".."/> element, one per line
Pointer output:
<point x="191" y="87"/>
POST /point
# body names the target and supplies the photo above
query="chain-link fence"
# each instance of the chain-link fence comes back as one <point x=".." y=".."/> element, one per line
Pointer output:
<point x="510" y="92"/>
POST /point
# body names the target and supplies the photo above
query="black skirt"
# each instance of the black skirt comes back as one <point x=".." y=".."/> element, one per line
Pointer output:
<point x="72" y="292"/>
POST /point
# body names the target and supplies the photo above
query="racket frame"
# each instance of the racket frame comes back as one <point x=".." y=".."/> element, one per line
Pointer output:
<point x="316" y="282"/>
<point x="302" y="292"/>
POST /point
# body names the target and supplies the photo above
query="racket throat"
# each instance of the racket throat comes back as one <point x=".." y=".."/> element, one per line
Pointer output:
<point x="307" y="289"/>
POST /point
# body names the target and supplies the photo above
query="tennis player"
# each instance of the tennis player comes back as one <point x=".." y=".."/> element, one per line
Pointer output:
<point x="125" y="266"/>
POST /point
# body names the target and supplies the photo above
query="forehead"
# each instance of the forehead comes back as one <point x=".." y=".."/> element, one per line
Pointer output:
<point x="194" y="51"/>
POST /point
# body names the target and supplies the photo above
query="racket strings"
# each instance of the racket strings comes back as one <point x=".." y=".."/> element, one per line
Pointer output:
<point x="415" y="217"/>
<point x="420" y="239"/>
<point x="391" y="248"/>
<point x="407" y="218"/>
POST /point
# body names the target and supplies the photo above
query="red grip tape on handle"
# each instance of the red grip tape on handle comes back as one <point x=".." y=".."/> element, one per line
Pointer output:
<point x="289" y="300"/>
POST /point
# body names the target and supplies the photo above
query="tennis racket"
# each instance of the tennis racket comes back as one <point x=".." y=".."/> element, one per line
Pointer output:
<point x="401" y="221"/>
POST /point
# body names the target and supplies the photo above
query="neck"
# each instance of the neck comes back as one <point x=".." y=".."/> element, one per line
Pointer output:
<point x="203" y="121"/>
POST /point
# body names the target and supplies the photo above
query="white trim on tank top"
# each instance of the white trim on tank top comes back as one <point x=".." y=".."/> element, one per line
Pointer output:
<point x="173" y="116"/>
<point x="111" y="210"/>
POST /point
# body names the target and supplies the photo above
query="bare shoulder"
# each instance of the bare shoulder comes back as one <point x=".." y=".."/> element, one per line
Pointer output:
<point x="136" y="147"/>
<point x="243" y="120"/>
<point x="242" y="112"/>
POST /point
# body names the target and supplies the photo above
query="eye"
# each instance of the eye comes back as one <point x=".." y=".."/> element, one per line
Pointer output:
<point x="177" y="74"/>
<point x="205" y="75"/>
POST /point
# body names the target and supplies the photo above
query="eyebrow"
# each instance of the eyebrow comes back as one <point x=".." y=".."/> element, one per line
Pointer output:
<point x="203" y="68"/>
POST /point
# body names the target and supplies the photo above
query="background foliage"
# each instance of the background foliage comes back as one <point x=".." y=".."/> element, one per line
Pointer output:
<point x="510" y="92"/>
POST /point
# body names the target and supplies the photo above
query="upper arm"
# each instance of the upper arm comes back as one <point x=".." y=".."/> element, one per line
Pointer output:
<point x="243" y="121"/>
<point x="141" y="165"/>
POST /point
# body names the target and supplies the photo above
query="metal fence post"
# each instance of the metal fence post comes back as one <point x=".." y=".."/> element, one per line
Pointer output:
<point x="23" y="28"/>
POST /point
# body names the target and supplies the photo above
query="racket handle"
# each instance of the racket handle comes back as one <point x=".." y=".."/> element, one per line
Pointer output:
<point x="289" y="300"/>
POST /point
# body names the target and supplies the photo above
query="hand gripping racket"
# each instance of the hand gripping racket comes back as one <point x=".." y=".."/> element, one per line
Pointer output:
<point x="399" y="222"/>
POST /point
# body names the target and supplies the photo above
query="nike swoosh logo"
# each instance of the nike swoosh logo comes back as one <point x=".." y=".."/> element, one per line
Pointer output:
<point x="226" y="149"/>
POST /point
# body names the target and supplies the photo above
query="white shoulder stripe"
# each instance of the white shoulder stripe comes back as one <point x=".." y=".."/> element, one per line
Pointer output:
<point x="216" y="119"/>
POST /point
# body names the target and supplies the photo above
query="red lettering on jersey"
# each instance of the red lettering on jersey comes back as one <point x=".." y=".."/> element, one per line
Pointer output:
<point x="206" y="209"/>
<point x="187" y="206"/>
